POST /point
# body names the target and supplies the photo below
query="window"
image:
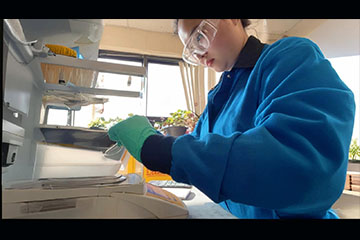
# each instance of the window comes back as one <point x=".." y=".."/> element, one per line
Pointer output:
<point x="348" y="69"/>
<point x="165" y="90"/>
<point x="57" y="116"/>
<point x="162" y="91"/>
<point x="119" y="81"/>
<point x="120" y="106"/>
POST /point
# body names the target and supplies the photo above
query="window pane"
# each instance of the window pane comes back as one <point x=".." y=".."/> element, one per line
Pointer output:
<point x="121" y="107"/>
<point x="118" y="82"/>
<point x="165" y="90"/>
<point x="57" y="117"/>
<point x="84" y="116"/>
<point x="348" y="69"/>
<point x="115" y="106"/>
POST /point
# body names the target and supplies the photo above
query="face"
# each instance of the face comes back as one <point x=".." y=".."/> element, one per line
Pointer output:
<point x="225" y="47"/>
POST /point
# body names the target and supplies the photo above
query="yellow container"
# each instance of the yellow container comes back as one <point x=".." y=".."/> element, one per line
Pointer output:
<point x="131" y="165"/>
<point x="62" y="50"/>
<point x="153" y="175"/>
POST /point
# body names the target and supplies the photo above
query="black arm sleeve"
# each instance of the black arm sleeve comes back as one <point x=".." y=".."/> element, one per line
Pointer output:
<point x="156" y="153"/>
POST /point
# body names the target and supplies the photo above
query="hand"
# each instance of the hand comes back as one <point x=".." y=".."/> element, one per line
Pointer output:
<point x="132" y="133"/>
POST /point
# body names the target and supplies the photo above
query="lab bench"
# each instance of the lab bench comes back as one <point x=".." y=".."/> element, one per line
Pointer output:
<point x="202" y="207"/>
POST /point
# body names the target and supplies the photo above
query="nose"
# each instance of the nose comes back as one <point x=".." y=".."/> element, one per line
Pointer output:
<point x="202" y="58"/>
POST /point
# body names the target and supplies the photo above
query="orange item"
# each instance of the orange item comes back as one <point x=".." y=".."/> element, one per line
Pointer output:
<point x="153" y="175"/>
<point x="62" y="50"/>
<point x="131" y="165"/>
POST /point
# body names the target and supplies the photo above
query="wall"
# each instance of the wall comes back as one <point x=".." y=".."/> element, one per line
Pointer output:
<point x="132" y="40"/>
<point x="338" y="37"/>
<point x="342" y="40"/>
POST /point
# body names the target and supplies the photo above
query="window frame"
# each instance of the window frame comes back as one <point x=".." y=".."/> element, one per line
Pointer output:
<point x="144" y="60"/>
<point x="138" y="57"/>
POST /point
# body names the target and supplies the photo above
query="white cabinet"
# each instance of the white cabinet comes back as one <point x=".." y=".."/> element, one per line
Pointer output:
<point x="24" y="88"/>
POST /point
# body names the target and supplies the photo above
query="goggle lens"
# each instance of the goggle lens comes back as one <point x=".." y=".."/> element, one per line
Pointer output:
<point x="200" y="41"/>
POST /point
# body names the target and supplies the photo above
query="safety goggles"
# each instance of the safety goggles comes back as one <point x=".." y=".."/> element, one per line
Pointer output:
<point x="199" y="41"/>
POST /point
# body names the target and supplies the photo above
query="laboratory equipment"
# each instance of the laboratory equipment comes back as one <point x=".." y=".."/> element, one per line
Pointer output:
<point x="93" y="139"/>
<point x="58" y="161"/>
<point x="102" y="197"/>
<point x="51" y="171"/>
<point x="12" y="139"/>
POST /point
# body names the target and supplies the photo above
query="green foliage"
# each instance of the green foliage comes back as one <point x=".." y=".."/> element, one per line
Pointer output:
<point x="106" y="124"/>
<point x="354" y="150"/>
<point x="183" y="118"/>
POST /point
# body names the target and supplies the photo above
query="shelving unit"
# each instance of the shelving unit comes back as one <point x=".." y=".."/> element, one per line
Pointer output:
<point x="94" y="66"/>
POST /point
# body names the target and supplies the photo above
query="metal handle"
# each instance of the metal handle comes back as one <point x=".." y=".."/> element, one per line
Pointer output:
<point x="9" y="28"/>
<point x="22" y="50"/>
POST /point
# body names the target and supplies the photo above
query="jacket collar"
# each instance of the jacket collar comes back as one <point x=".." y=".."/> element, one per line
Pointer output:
<point x="250" y="53"/>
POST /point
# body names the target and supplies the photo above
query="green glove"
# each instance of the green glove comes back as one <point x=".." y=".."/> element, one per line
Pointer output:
<point x="132" y="133"/>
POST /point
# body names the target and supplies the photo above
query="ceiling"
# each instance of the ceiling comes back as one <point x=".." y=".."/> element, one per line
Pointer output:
<point x="155" y="25"/>
<point x="268" y="30"/>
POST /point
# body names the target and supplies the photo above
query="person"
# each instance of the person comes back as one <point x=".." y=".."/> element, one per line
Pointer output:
<point x="273" y="139"/>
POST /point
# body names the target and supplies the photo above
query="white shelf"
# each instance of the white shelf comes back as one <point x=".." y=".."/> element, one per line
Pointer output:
<point x="95" y="65"/>
<point x="94" y="91"/>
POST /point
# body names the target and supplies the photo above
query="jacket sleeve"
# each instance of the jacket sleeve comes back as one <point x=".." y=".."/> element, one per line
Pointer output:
<point x="295" y="157"/>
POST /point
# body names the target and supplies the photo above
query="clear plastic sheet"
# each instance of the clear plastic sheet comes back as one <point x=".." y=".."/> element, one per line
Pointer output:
<point x="71" y="100"/>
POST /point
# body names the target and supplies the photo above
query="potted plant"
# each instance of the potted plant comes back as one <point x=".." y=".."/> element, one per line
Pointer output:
<point x="354" y="152"/>
<point x="101" y="123"/>
<point x="178" y="123"/>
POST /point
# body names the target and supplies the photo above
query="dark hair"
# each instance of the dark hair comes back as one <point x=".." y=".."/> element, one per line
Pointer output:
<point x="244" y="22"/>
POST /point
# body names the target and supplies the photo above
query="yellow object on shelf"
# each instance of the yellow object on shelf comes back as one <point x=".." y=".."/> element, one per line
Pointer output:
<point x="131" y="165"/>
<point x="153" y="175"/>
<point x="62" y="50"/>
<point x="80" y="77"/>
